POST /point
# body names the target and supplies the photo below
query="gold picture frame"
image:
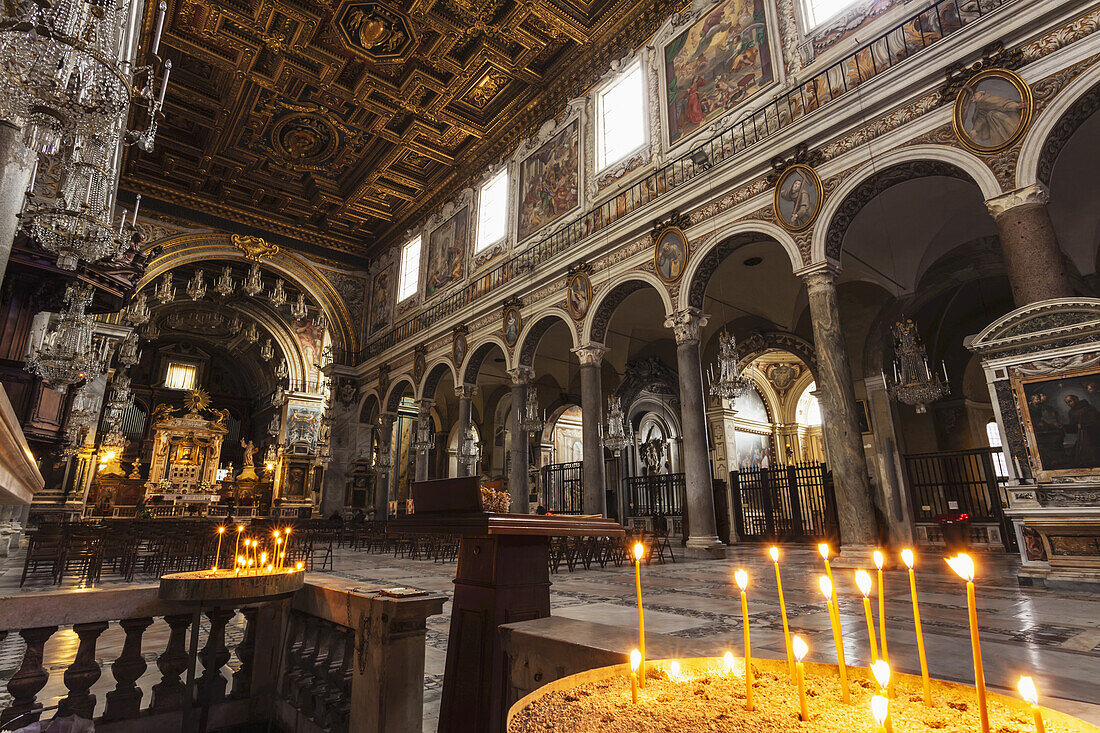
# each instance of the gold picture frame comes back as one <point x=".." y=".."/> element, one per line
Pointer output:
<point x="992" y="111"/>
<point x="797" y="198"/>
<point x="459" y="347"/>
<point x="578" y="295"/>
<point x="1049" y="419"/>
<point x="670" y="254"/>
<point x="511" y="325"/>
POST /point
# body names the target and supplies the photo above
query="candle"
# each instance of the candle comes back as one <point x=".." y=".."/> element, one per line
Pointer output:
<point x="728" y="659"/>
<point x="286" y="541"/>
<point x="742" y="579"/>
<point x="164" y="82"/>
<point x="823" y="548"/>
<point x="275" y="534"/>
<point x="799" y="648"/>
<point x="162" y="7"/>
<point x="218" y="553"/>
<point x="881" y="671"/>
<point x="137" y="205"/>
<point x="880" y="560"/>
<point x="834" y="618"/>
<point x="774" y="552"/>
<point x="639" y="550"/>
<point x="964" y="568"/>
<point x="863" y="581"/>
<point x="300" y="566"/>
<point x="674" y="671"/>
<point x="1026" y="686"/>
<point x="635" y="661"/>
<point x="907" y="558"/>
<point x="880" y="708"/>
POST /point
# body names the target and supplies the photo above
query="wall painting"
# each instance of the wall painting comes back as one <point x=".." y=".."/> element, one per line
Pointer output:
<point x="446" y="256"/>
<point x="549" y="181"/>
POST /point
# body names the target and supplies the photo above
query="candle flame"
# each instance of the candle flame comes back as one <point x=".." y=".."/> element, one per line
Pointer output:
<point x="863" y="580"/>
<point x="826" y="586"/>
<point x="742" y="578"/>
<point x="275" y="534"/>
<point x="240" y="559"/>
<point x="728" y="659"/>
<point x="270" y="568"/>
<point x="798" y="646"/>
<point x="907" y="558"/>
<point x="881" y="671"/>
<point x="263" y="558"/>
<point x="823" y="548"/>
<point x="879" y="559"/>
<point x="963" y="565"/>
<point x="299" y="566"/>
<point x="1026" y="686"/>
<point x="774" y="552"/>
<point x="880" y="706"/>
<point x="221" y="530"/>
<point x="639" y="550"/>
<point x="635" y="660"/>
<point x="674" y="670"/>
<point x="240" y="528"/>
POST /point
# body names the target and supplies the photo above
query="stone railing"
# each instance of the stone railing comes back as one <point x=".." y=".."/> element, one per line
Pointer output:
<point x="329" y="658"/>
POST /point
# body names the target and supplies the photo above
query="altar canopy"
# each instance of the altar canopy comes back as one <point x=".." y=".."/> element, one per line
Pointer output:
<point x="186" y="450"/>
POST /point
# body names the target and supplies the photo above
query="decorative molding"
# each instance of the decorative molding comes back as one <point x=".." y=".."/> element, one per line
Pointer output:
<point x="254" y="248"/>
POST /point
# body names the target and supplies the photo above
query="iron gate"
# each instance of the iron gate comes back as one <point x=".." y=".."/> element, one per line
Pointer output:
<point x="793" y="502"/>
<point x="561" y="488"/>
<point x="648" y="496"/>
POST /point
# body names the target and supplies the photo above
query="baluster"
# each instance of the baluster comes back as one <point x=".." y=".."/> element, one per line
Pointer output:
<point x="214" y="656"/>
<point x="314" y="690"/>
<point x="296" y="637"/>
<point x="246" y="652"/>
<point x="334" y="697"/>
<point x="124" y="702"/>
<point x="299" y="676"/>
<point x="83" y="672"/>
<point x="30" y="678"/>
<point x="168" y="693"/>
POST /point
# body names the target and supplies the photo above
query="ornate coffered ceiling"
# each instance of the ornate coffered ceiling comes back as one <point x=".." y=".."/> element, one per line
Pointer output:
<point x="337" y="123"/>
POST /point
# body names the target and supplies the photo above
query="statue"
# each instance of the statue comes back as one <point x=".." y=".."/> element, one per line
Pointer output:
<point x="222" y="419"/>
<point x="162" y="412"/>
<point x="248" y="473"/>
<point x="135" y="471"/>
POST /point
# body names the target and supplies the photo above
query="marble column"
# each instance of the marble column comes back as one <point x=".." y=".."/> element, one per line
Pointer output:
<point x="840" y="423"/>
<point x="702" y="538"/>
<point x="384" y="481"/>
<point x="518" y="470"/>
<point x="1035" y="263"/>
<point x="423" y="418"/>
<point x="893" y="495"/>
<point x="16" y="162"/>
<point x="465" y="394"/>
<point x="592" y="472"/>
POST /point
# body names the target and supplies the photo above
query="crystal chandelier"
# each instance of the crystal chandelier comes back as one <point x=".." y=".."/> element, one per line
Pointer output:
<point x="137" y="312"/>
<point x="281" y="370"/>
<point x="121" y="397"/>
<point x="166" y="291"/>
<point x="914" y="383"/>
<point x="225" y="285"/>
<point x="531" y="421"/>
<point x="469" y="450"/>
<point x="128" y="353"/>
<point x="731" y="383"/>
<point x="383" y="461"/>
<point x="278" y="294"/>
<point x="615" y="435"/>
<point x="252" y="285"/>
<point x="71" y="352"/>
<point x="299" y="310"/>
<point x="81" y="418"/>
<point x="274" y="425"/>
<point x="252" y="334"/>
<point x="423" y="442"/>
<point x="67" y="84"/>
<point x="151" y="332"/>
<point x="196" y="286"/>
<point x="267" y="351"/>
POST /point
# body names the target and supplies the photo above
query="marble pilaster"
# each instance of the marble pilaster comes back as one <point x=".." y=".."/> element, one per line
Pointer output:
<point x="1035" y="263"/>
<point x="592" y="472"/>
<point x="518" y="473"/>
<point x="465" y="394"/>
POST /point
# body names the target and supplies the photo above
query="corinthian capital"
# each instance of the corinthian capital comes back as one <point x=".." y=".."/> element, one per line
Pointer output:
<point x="521" y="374"/>
<point x="818" y="277"/>
<point x="424" y="406"/>
<point x="687" y="324"/>
<point x="466" y="391"/>
<point x="590" y="354"/>
<point x="1034" y="195"/>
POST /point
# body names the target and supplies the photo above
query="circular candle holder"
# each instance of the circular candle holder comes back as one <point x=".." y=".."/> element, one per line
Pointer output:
<point x="224" y="586"/>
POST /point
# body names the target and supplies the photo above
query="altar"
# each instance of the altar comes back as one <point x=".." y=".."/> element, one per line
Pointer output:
<point x="186" y="452"/>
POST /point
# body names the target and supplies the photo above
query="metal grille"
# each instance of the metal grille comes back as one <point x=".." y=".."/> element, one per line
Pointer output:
<point x="786" y="503"/>
<point x="562" y="488"/>
<point x="954" y="481"/>
<point x="648" y="496"/>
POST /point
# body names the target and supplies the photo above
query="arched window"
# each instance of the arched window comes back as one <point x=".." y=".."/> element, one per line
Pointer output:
<point x="808" y="411"/>
<point x="993" y="437"/>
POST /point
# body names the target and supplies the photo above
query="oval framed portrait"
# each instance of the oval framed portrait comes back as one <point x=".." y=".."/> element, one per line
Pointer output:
<point x="458" y="348"/>
<point x="420" y="365"/>
<point x="992" y="110"/>
<point x="798" y="197"/>
<point x="670" y="254"/>
<point x="578" y="295"/>
<point x="513" y="322"/>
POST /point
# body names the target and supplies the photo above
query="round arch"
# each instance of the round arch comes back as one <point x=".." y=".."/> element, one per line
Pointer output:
<point x="433" y="376"/>
<point x="188" y="248"/>
<point x="534" y="331"/>
<point x="595" y="325"/>
<point x="1054" y="127"/>
<point x="761" y="342"/>
<point x="715" y="248"/>
<point x="397" y="391"/>
<point x="369" y="406"/>
<point x="878" y="175"/>
<point x="472" y="367"/>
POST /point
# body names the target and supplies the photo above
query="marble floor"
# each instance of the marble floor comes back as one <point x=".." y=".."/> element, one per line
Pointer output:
<point x="693" y="608"/>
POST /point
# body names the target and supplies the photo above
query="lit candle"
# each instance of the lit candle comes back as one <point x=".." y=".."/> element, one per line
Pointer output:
<point x="799" y="648"/>
<point x="1026" y="686"/>
<point x="728" y="659"/>
<point x="823" y="548"/>
<point x="742" y="579"/>
<point x="275" y="534"/>
<point x="639" y="550"/>
<point x="834" y="618"/>
<point x="237" y="547"/>
<point x="286" y="541"/>
<point x="863" y="581"/>
<point x="774" y="552"/>
<point x="674" y="671"/>
<point x="881" y="671"/>
<point x="880" y="708"/>
<point x="964" y="568"/>
<point x="635" y="661"/>
<point x="880" y="560"/>
<point x="907" y="558"/>
<point x="300" y="566"/>
<point x="218" y="552"/>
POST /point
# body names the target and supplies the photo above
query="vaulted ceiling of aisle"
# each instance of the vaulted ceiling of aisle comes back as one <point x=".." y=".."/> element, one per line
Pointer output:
<point x="343" y="123"/>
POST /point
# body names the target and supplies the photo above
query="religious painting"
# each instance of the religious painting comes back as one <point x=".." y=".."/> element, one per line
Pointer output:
<point x="719" y="62"/>
<point x="992" y="110"/>
<point x="579" y="295"/>
<point x="420" y="365"/>
<point x="302" y="423"/>
<point x="798" y="197"/>
<point x="753" y="451"/>
<point x="513" y="322"/>
<point x="380" y="305"/>
<point x="670" y="254"/>
<point x="459" y="347"/>
<point x="294" y="486"/>
<point x="311" y="335"/>
<point x="549" y="181"/>
<point x="1061" y="417"/>
<point x="446" y="256"/>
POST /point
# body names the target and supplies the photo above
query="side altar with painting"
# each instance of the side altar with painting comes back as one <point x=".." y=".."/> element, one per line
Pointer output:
<point x="1042" y="366"/>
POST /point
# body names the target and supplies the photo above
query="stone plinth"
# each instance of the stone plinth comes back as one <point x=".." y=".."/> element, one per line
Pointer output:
<point x="226" y="586"/>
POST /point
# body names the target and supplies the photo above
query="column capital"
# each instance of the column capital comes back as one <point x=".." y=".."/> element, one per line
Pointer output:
<point x="687" y="324"/>
<point x="424" y="405"/>
<point x="521" y="374"/>
<point x="466" y="391"/>
<point x="592" y="353"/>
<point x="387" y="417"/>
<point x="818" y="275"/>
<point x="1034" y="195"/>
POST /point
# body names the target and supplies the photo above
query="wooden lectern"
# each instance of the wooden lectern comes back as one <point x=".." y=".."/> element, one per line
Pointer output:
<point x="503" y="576"/>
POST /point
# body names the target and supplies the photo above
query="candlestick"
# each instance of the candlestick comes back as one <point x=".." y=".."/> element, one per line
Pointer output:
<point x="823" y="549"/>
<point x="880" y="560"/>
<point x="639" y="550"/>
<point x="799" y="648"/>
<point x="834" y="618"/>
<point x="880" y="708"/>
<point x="742" y="579"/>
<point x="964" y="568"/>
<point x="1026" y="686"/>
<point x="635" y="660"/>
<point x="218" y="552"/>
<point x="907" y="558"/>
<point x="774" y="552"/>
<point x="863" y="581"/>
